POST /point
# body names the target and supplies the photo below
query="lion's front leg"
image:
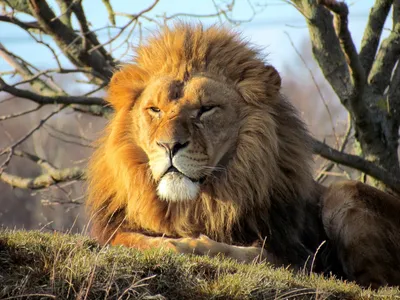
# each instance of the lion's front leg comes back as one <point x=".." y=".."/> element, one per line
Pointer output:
<point x="141" y="241"/>
<point x="206" y="246"/>
<point x="199" y="246"/>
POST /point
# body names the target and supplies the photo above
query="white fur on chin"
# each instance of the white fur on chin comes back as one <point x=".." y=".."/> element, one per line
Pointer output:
<point x="176" y="187"/>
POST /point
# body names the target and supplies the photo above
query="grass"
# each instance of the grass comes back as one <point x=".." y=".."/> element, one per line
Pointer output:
<point x="39" y="265"/>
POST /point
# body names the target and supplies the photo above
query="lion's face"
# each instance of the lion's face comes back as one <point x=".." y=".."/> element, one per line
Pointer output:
<point x="187" y="130"/>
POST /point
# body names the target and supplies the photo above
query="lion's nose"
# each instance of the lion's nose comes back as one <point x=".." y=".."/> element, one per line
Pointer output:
<point x="172" y="147"/>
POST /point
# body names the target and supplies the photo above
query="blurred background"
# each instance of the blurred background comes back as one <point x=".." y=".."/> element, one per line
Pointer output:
<point x="64" y="139"/>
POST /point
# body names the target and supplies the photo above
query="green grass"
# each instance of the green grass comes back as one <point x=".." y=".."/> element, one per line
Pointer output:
<point x="40" y="265"/>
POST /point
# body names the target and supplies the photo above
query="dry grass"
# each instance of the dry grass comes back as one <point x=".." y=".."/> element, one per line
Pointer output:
<point x="42" y="265"/>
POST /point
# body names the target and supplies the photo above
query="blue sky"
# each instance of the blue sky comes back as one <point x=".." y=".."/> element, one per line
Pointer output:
<point x="267" y="29"/>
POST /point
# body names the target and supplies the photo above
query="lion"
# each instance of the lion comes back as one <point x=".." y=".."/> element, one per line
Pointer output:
<point x="204" y="155"/>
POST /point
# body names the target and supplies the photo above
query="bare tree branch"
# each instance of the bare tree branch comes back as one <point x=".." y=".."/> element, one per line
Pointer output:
<point x="68" y="41"/>
<point x="46" y="88"/>
<point x="24" y="25"/>
<point x="44" y="180"/>
<point x="51" y="177"/>
<point x="86" y="33"/>
<point x="26" y="136"/>
<point x="376" y="133"/>
<point x="394" y="89"/>
<point x="341" y="13"/>
<point x="372" y="33"/>
<point x="94" y="110"/>
<point x="111" y="14"/>
<point x="44" y="164"/>
<point x="67" y="137"/>
<point x="332" y="59"/>
<point x="394" y="95"/>
<point x="224" y="12"/>
<point x="44" y="100"/>
<point x="358" y="163"/>
<point x="385" y="61"/>
<point x="17" y="5"/>
<point x="19" y="114"/>
<point x="133" y="19"/>
<point x="66" y="12"/>
<point x="116" y="36"/>
<point x="11" y="149"/>
<point x="316" y="86"/>
<point x="321" y="176"/>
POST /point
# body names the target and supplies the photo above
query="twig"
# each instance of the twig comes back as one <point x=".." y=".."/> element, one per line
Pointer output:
<point x="94" y="110"/>
<point x="70" y="135"/>
<point x="22" y="113"/>
<point x="125" y="41"/>
<point x="324" y="172"/>
<point x="48" y="46"/>
<point x="26" y="136"/>
<point x="65" y="140"/>
<point x="122" y="29"/>
<point x="220" y="12"/>
<point x="134" y="18"/>
<point x="66" y="9"/>
<point x="24" y="25"/>
<point x="316" y="86"/>
<point x="10" y="149"/>
<point x="21" y="66"/>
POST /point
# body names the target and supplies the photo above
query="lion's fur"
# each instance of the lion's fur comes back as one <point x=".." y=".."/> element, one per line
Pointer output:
<point x="278" y="166"/>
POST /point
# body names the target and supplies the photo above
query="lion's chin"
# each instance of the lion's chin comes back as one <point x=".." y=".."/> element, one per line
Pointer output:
<point x="176" y="187"/>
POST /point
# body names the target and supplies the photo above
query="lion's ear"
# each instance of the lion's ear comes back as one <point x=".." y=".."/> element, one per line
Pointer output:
<point x="125" y="87"/>
<point x="261" y="83"/>
<point x="273" y="81"/>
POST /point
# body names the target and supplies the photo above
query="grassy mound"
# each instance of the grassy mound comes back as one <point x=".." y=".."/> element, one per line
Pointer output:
<point x="44" y="265"/>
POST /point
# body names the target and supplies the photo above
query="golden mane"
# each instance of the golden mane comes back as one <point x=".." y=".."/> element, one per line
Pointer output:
<point x="270" y="165"/>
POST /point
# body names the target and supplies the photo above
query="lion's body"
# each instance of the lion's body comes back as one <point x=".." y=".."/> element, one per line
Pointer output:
<point x="202" y="142"/>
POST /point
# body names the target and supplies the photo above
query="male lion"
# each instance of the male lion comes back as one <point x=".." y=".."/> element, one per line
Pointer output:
<point x="204" y="155"/>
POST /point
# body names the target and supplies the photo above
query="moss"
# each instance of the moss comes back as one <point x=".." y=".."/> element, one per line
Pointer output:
<point x="44" y="265"/>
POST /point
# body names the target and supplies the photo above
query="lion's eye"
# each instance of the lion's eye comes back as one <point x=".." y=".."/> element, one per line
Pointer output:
<point x="154" y="109"/>
<point x="206" y="108"/>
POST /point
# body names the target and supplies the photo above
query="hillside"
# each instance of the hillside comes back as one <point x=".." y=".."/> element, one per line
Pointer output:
<point x="38" y="265"/>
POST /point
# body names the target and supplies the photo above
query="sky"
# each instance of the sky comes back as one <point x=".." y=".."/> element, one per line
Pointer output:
<point x="269" y="28"/>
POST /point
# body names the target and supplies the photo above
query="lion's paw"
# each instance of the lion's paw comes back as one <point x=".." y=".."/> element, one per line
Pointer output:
<point x="203" y="245"/>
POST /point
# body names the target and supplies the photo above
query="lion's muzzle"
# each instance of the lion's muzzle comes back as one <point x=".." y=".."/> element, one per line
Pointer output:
<point x="183" y="171"/>
<point x="176" y="187"/>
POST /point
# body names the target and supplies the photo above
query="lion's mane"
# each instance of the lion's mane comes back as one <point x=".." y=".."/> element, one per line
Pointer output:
<point x="266" y="187"/>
